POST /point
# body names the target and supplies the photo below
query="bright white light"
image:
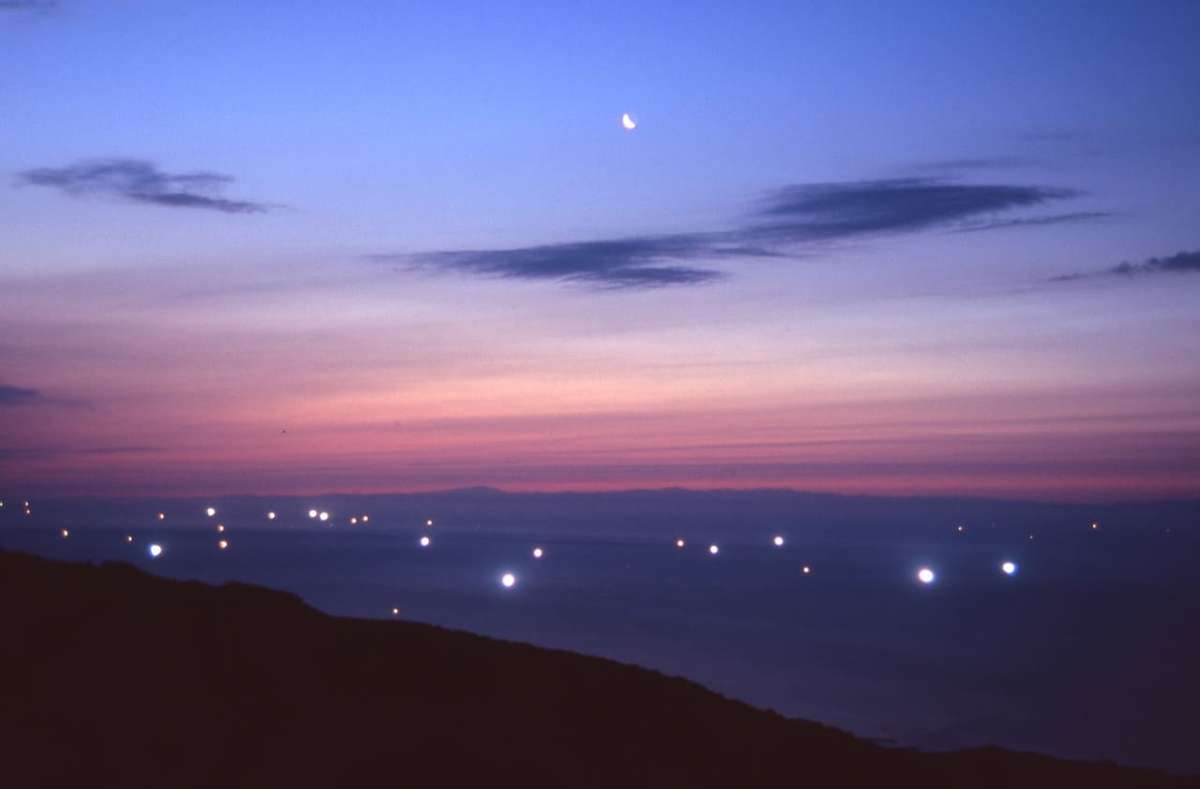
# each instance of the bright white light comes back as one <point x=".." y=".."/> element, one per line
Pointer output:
<point x="425" y="542"/>
<point x="1095" y="526"/>
<point x="680" y="543"/>
<point x="537" y="553"/>
<point x="778" y="541"/>
<point x="1009" y="568"/>
<point x="628" y="122"/>
<point x="366" y="518"/>
<point x="129" y="538"/>
<point x="211" y="511"/>
<point x="65" y="534"/>
<point x="222" y="544"/>
<point x="324" y="516"/>
<point x="395" y="612"/>
<point x="312" y="513"/>
<point x="162" y="516"/>
<point x="714" y="549"/>
<point x="429" y="521"/>
<point x="508" y="580"/>
<point x="270" y="516"/>
<point x="353" y="521"/>
<point x="925" y="575"/>
<point x="155" y="550"/>
<point x="806" y="569"/>
<point x="220" y="528"/>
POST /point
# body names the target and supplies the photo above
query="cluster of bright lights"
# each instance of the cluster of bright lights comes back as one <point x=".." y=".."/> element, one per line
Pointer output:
<point x="924" y="575"/>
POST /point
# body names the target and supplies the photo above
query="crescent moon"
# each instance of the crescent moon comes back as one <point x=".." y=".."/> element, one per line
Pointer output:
<point x="629" y="123"/>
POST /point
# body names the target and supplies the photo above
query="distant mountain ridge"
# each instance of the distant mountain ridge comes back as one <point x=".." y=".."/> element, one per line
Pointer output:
<point x="654" y="513"/>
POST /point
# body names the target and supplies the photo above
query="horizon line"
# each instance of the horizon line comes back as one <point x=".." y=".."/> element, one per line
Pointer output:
<point x="679" y="489"/>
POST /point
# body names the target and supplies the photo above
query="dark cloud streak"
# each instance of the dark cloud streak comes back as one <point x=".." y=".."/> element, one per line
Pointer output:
<point x="959" y="165"/>
<point x="1179" y="263"/>
<point x="16" y="395"/>
<point x="784" y="223"/>
<point x="26" y="5"/>
<point x="42" y="453"/>
<point x="141" y="182"/>
<point x="1037" y="221"/>
<point x="620" y="263"/>
<point x="822" y="212"/>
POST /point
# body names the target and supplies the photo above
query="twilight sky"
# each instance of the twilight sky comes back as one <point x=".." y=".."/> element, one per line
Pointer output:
<point x="298" y="246"/>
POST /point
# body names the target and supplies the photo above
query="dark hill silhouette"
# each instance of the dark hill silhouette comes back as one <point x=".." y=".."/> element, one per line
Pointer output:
<point x="112" y="677"/>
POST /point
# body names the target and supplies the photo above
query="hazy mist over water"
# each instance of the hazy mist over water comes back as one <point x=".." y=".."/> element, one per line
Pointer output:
<point x="1089" y="650"/>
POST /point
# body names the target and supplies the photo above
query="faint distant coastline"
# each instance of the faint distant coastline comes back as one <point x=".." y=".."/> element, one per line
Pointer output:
<point x="633" y="513"/>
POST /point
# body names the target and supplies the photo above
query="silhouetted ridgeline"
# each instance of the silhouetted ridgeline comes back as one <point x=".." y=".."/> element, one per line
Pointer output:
<point x="112" y="677"/>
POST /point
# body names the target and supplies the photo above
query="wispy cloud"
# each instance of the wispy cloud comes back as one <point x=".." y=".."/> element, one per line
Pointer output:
<point x="1037" y="221"/>
<point x="141" y="182"/>
<point x="41" y="453"/>
<point x="25" y="5"/>
<point x="788" y="222"/>
<point x="637" y="262"/>
<point x="842" y="211"/>
<point x="1052" y="136"/>
<point x="952" y="166"/>
<point x="1179" y="263"/>
<point x="16" y="395"/>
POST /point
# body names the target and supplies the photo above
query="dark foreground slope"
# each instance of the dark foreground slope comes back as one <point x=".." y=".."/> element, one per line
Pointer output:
<point x="111" y="677"/>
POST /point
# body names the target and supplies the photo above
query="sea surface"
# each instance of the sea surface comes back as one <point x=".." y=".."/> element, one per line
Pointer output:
<point x="1089" y="650"/>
